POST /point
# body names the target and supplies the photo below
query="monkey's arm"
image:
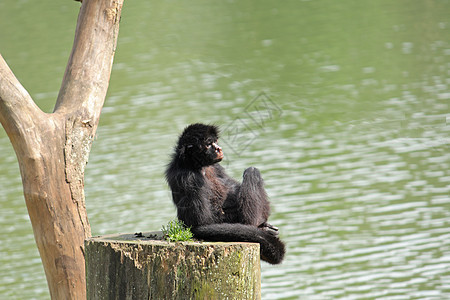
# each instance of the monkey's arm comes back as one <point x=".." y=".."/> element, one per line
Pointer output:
<point x="192" y="200"/>
<point x="194" y="211"/>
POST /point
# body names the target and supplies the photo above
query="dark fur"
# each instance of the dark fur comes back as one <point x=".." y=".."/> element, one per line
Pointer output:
<point x="217" y="207"/>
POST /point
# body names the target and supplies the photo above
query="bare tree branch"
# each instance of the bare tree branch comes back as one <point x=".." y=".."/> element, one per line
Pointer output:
<point x="87" y="74"/>
<point x="18" y="112"/>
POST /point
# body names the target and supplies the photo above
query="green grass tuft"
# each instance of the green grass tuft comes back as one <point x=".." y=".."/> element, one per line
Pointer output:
<point x="176" y="231"/>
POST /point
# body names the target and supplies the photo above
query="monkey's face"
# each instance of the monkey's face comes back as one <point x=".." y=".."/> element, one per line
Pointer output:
<point x="197" y="146"/>
<point x="206" y="153"/>
<point x="214" y="151"/>
<point x="201" y="154"/>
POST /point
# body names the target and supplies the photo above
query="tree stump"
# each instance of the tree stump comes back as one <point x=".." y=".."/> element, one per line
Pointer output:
<point x="143" y="266"/>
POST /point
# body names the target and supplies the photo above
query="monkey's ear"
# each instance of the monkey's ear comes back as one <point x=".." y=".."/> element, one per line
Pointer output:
<point x="183" y="149"/>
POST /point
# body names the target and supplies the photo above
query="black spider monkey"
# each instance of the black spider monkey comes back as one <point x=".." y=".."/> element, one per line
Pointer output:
<point x="215" y="206"/>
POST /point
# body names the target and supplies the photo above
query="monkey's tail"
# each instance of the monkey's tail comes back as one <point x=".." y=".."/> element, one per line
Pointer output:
<point x="272" y="248"/>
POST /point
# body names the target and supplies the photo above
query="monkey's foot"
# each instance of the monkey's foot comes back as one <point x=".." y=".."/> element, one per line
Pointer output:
<point x="269" y="228"/>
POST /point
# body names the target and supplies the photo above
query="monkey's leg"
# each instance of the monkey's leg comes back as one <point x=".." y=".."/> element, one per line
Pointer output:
<point x="252" y="199"/>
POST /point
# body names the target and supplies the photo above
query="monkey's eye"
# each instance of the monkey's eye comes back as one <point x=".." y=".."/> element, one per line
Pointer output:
<point x="209" y="145"/>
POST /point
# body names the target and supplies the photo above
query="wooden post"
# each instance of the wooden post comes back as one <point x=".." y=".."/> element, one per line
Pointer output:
<point x="124" y="266"/>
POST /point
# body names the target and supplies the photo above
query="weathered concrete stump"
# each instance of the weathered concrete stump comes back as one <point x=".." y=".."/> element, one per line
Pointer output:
<point x="124" y="266"/>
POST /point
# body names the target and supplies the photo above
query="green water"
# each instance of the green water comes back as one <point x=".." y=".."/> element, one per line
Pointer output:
<point x="343" y="105"/>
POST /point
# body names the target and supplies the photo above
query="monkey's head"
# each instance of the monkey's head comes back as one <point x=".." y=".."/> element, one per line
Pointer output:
<point x="197" y="146"/>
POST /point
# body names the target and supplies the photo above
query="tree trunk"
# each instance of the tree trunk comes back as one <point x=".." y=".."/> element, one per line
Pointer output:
<point x="53" y="149"/>
<point x="126" y="267"/>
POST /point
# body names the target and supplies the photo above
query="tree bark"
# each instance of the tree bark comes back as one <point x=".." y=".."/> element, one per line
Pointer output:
<point x="126" y="267"/>
<point x="53" y="149"/>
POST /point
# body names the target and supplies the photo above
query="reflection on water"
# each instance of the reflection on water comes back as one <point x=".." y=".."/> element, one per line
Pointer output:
<point x="354" y="145"/>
